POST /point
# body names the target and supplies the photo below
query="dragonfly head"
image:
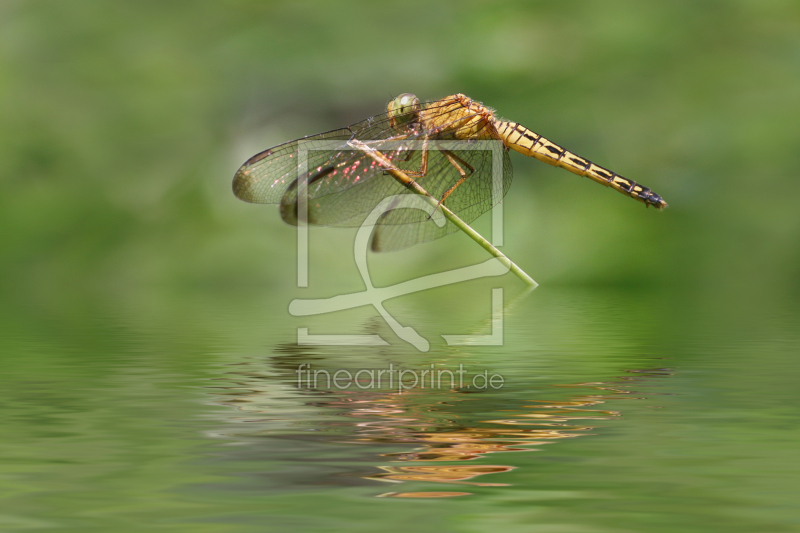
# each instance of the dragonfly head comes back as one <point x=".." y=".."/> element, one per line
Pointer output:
<point x="404" y="109"/>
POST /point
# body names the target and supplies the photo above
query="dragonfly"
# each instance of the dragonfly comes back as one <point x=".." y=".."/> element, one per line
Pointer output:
<point x="344" y="181"/>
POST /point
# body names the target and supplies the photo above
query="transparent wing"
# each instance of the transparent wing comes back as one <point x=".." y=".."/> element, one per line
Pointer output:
<point x="344" y="184"/>
<point x="265" y="177"/>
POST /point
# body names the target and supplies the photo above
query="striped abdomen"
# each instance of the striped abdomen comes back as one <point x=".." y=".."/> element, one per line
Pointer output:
<point x="532" y="144"/>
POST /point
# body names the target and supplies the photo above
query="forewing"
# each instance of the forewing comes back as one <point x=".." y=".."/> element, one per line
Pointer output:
<point x="265" y="177"/>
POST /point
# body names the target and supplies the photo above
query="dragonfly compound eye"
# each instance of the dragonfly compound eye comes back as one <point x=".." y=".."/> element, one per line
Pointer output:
<point x="404" y="109"/>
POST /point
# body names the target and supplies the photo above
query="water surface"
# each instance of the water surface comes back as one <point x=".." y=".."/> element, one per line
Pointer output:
<point x="614" y="415"/>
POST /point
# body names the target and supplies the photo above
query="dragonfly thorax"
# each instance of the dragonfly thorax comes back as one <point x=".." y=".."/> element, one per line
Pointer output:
<point x="459" y="117"/>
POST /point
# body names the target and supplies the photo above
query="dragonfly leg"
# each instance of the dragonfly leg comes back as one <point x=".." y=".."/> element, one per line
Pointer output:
<point x="454" y="160"/>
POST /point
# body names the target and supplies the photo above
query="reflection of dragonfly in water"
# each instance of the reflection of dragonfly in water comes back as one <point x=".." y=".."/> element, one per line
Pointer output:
<point x="446" y="433"/>
<point x="344" y="184"/>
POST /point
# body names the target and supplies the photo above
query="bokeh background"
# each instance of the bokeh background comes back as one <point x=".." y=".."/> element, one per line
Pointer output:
<point x="122" y="124"/>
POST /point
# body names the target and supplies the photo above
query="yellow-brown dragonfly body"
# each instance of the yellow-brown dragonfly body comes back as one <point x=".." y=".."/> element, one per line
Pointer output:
<point x="343" y="182"/>
<point x="469" y="119"/>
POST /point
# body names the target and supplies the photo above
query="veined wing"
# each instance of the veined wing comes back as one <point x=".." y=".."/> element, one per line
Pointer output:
<point x="344" y="184"/>
<point x="265" y="177"/>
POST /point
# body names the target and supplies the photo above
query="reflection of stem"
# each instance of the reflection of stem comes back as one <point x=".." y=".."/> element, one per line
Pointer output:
<point x="452" y="217"/>
<point x="490" y="323"/>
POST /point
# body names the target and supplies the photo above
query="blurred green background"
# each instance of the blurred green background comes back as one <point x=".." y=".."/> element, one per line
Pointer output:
<point x="123" y="123"/>
<point x="129" y="273"/>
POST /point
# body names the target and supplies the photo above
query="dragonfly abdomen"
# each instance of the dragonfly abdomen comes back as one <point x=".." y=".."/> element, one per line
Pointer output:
<point x="524" y="141"/>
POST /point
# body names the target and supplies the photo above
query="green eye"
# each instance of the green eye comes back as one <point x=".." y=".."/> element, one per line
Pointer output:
<point x="404" y="108"/>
